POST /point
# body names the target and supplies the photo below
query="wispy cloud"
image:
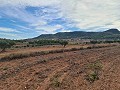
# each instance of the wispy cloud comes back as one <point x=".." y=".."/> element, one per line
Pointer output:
<point x="48" y="29"/>
<point x="92" y="13"/>
<point x="3" y="29"/>
<point x="18" y="13"/>
<point x="41" y="23"/>
<point x="10" y="35"/>
<point x="33" y="3"/>
<point x="22" y="27"/>
<point x="39" y="15"/>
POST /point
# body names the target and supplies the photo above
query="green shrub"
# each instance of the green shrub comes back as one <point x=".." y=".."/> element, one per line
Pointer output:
<point x="6" y="44"/>
<point x="95" y="68"/>
<point x="95" y="65"/>
<point x="63" y="43"/>
<point x="56" y="83"/>
<point x="92" y="77"/>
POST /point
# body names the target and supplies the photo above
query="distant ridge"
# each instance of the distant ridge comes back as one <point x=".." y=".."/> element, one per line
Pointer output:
<point x="115" y="31"/>
<point x="109" y="34"/>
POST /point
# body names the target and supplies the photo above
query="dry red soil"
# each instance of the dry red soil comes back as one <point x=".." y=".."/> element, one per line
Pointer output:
<point x="62" y="71"/>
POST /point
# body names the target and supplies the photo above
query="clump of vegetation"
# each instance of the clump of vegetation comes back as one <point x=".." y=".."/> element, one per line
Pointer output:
<point x="91" y="77"/>
<point x="95" y="65"/>
<point x="4" y="68"/>
<point x="95" y="68"/>
<point x="6" y="44"/>
<point x="55" y="81"/>
<point x="43" y="42"/>
<point x="63" y="43"/>
<point x="48" y="42"/>
<point x="91" y="47"/>
<point x="14" y="56"/>
<point x="43" y="61"/>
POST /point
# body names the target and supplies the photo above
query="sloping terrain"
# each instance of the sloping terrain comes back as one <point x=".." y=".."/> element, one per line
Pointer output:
<point x="62" y="71"/>
<point x="113" y="34"/>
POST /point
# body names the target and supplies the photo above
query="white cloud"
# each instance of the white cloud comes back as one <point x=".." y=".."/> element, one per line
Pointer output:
<point x="10" y="35"/>
<point x="13" y="21"/>
<point x="38" y="18"/>
<point x="19" y="13"/>
<point x="3" y="29"/>
<point x="40" y="23"/>
<point x="33" y="3"/>
<point x="65" y="30"/>
<point x="22" y="27"/>
<point x="115" y="24"/>
<point x="92" y="13"/>
<point x="48" y="29"/>
<point x="85" y="14"/>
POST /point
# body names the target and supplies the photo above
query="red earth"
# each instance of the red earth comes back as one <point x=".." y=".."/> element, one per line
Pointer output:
<point x="62" y="71"/>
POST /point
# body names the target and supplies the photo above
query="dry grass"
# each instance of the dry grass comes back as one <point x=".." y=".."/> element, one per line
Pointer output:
<point x="38" y="53"/>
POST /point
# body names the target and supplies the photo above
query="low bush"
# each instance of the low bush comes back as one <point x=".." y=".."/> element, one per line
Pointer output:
<point x="95" y="65"/>
<point x="95" y="68"/>
<point x="56" y="83"/>
<point x="92" y="77"/>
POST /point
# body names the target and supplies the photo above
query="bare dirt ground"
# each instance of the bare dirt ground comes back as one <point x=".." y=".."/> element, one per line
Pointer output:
<point x="62" y="71"/>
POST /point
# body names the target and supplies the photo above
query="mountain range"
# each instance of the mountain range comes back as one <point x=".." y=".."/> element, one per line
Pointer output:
<point x="108" y="34"/>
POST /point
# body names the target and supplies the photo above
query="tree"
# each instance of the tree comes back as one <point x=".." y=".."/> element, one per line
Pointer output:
<point x="63" y="43"/>
<point x="6" y="44"/>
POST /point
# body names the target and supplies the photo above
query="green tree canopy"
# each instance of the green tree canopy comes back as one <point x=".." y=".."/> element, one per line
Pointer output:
<point x="63" y="43"/>
<point x="6" y="44"/>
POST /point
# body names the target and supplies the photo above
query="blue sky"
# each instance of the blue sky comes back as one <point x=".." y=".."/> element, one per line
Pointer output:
<point x="20" y="19"/>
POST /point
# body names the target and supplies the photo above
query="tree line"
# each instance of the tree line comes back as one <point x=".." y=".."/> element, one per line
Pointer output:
<point x="9" y="43"/>
<point x="48" y="42"/>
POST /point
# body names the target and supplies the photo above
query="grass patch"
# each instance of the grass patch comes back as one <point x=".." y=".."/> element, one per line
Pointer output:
<point x="4" y="68"/>
<point x="94" y="69"/>
<point x="97" y="65"/>
<point x="91" y="77"/>
<point x="42" y="61"/>
<point x="56" y="83"/>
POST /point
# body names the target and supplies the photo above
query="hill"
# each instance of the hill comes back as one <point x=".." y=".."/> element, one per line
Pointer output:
<point x="109" y="34"/>
<point x="115" y="31"/>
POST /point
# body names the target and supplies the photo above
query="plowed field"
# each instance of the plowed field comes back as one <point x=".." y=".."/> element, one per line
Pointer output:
<point x="63" y="71"/>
